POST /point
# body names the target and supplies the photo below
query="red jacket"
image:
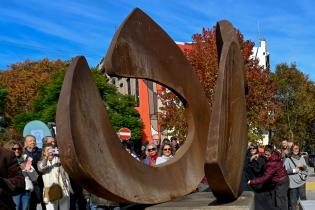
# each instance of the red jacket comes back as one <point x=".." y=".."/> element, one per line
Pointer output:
<point x="274" y="170"/>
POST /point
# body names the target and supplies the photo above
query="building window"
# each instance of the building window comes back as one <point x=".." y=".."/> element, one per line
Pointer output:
<point x="137" y="93"/>
<point x="128" y="86"/>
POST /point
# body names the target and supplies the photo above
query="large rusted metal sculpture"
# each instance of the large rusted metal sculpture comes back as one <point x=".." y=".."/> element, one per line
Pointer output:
<point x="91" y="152"/>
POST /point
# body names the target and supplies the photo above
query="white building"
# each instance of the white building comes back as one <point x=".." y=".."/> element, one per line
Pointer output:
<point x="262" y="53"/>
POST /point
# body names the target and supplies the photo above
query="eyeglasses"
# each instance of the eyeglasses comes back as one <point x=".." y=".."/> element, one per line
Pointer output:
<point x="14" y="149"/>
<point x="252" y="148"/>
<point x="150" y="150"/>
<point x="167" y="149"/>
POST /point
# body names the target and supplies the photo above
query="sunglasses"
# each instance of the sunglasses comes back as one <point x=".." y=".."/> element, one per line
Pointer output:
<point x="252" y="148"/>
<point x="167" y="149"/>
<point x="14" y="149"/>
<point x="150" y="150"/>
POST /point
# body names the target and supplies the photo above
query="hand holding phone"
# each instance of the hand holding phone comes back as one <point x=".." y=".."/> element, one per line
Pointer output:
<point x="54" y="151"/>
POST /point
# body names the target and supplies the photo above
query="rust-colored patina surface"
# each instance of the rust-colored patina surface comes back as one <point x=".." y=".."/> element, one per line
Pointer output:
<point x="89" y="147"/>
<point x="227" y="137"/>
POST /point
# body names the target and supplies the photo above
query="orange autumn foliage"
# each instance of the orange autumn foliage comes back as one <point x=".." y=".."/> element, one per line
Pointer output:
<point x="262" y="108"/>
<point x="22" y="81"/>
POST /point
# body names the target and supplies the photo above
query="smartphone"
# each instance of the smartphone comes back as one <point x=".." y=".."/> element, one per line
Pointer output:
<point x="54" y="151"/>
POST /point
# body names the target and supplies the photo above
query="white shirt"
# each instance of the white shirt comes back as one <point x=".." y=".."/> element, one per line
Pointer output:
<point x="162" y="159"/>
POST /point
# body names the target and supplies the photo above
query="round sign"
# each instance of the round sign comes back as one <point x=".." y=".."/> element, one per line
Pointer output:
<point x="124" y="133"/>
<point x="38" y="129"/>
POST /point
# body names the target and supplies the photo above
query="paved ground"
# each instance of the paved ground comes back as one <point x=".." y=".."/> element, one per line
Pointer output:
<point x="310" y="192"/>
<point x="309" y="204"/>
<point x="310" y="185"/>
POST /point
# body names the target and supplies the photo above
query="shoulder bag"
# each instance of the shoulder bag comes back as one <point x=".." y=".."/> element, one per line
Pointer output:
<point x="54" y="192"/>
<point x="302" y="176"/>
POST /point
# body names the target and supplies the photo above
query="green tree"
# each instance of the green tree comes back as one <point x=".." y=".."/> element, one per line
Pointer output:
<point x="3" y="95"/>
<point x="262" y="108"/>
<point x="22" y="81"/>
<point x="120" y="107"/>
<point x="297" y="94"/>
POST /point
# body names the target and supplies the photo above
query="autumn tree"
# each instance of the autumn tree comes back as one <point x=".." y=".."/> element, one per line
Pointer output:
<point x="3" y="95"/>
<point x="22" y="81"/>
<point x="120" y="107"/>
<point x="297" y="93"/>
<point x="263" y="108"/>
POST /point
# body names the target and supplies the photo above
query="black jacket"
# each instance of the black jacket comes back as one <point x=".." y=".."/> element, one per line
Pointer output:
<point x="255" y="169"/>
<point x="11" y="179"/>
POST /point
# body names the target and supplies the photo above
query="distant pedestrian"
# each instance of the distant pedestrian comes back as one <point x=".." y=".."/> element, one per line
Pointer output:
<point x="175" y="144"/>
<point x="77" y="200"/>
<point x="166" y="151"/>
<point x="297" y="170"/>
<point x="129" y="147"/>
<point x="143" y="150"/>
<point x="22" y="200"/>
<point x="255" y="168"/>
<point x="54" y="174"/>
<point x="285" y="149"/>
<point x="49" y="140"/>
<point x="34" y="154"/>
<point x="275" y="172"/>
<point x="157" y="141"/>
<point x="152" y="155"/>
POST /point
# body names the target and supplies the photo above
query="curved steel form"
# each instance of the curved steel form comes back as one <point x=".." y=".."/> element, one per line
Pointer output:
<point x="227" y="138"/>
<point x="90" y="150"/>
<point x="89" y="147"/>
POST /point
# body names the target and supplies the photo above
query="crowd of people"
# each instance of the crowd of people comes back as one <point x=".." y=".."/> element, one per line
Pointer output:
<point x="276" y="176"/>
<point x="36" y="176"/>
<point x="39" y="178"/>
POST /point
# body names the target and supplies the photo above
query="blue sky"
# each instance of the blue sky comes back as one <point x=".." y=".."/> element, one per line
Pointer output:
<point x="35" y="29"/>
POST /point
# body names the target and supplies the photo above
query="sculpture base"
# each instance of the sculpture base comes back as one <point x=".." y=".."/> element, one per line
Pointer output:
<point x="206" y="200"/>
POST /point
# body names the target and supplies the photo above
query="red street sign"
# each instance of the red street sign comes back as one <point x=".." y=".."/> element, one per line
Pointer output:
<point x="124" y="133"/>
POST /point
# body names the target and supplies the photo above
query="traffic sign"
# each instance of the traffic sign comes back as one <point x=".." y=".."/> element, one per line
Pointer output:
<point x="124" y="133"/>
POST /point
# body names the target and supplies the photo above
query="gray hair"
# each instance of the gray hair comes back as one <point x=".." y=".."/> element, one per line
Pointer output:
<point x="152" y="145"/>
<point x="45" y="139"/>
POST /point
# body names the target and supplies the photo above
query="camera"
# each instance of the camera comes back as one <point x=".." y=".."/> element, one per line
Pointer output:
<point x="54" y="151"/>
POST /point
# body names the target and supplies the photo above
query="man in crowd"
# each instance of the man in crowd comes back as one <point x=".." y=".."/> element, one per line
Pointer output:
<point x="285" y="150"/>
<point x="11" y="179"/>
<point x="32" y="151"/>
<point x="174" y="143"/>
<point x="157" y="141"/>
<point x="49" y="140"/>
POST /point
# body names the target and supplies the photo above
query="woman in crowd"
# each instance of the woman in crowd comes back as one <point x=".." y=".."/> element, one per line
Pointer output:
<point x="128" y="146"/>
<point x="166" y="153"/>
<point x="54" y="174"/>
<point x="274" y="172"/>
<point x="22" y="200"/>
<point x="174" y="144"/>
<point x="297" y="169"/>
<point x="152" y="155"/>
<point x="255" y="168"/>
